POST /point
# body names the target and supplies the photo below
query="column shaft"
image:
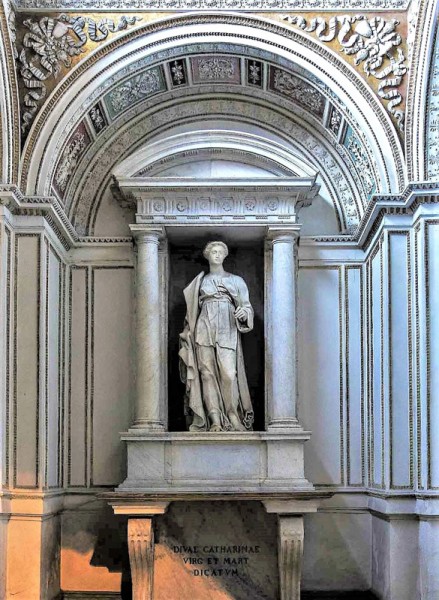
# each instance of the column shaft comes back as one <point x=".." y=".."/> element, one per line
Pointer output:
<point x="148" y="413"/>
<point x="284" y="385"/>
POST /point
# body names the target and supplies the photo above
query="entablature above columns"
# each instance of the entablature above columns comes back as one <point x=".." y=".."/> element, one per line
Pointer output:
<point x="175" y="201"/>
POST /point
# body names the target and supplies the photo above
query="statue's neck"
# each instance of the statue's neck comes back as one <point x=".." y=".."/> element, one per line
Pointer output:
<point x="217" y="270"/>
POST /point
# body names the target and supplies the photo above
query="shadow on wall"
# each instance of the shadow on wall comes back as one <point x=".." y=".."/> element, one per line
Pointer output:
<point x="94" y="550"/>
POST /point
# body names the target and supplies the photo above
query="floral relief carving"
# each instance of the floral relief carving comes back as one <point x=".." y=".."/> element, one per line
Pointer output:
<point x="142" y="85"/>
<point x="50" y="44"/>
<point x="298" y="90"/>
<point x="70" y="159"/>
<point x="216" y="68"/>
<point x="362" y="164"/>
<point x="432" y="143"/>
<point x="374" y="42"/>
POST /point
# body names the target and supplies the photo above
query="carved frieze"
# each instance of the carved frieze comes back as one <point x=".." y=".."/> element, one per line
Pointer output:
<point x="254" y="5"/>
<point x="70" y="157"/>
<point x="361" y="162"/>
<point x="374" y="42"/>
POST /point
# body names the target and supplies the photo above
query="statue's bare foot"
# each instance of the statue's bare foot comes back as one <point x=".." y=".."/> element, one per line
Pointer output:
<point x="236" y="423"/>
<point x="215" y="427"/>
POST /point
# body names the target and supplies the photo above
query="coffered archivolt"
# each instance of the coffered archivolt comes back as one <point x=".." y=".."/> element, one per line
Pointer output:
<point x="130" y="54"/>
<point x="374" y="44"/>
<point x="142" y="128"/>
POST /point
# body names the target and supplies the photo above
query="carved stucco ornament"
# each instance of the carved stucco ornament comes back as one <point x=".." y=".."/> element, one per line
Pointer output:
<point x="374" y="42"/>
<point x="50" y="44"/>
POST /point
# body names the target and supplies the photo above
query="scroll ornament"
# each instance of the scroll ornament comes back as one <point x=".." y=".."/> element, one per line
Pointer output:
<point x="50" y="44"/>
<point x="374" y="41"/>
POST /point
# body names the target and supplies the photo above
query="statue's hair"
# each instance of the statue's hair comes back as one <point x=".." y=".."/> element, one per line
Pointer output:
<point x="209" y="246"/>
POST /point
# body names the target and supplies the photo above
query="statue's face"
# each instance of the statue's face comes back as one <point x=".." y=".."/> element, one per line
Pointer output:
<point x="217" y="255"/>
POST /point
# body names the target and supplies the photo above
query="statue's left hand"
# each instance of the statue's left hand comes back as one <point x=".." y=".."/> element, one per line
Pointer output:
<point x="241" y="314"/>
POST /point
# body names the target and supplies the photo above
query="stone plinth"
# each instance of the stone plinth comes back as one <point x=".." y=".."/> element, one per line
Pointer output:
<point x="231" y="462"/>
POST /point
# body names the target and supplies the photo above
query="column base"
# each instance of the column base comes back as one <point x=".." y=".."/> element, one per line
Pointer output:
<point x="292" y="424"/>
<point x="147" y="425"/>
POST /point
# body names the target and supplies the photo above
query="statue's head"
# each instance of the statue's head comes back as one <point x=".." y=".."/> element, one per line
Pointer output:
<point x="215" y="252"/>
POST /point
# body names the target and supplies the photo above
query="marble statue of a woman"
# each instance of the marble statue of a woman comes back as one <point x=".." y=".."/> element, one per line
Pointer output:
<point x="211" y="360"/>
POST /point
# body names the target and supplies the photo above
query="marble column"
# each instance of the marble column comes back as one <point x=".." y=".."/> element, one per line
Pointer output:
<point x="282" y="405"/>
<point x="148" y="413"/>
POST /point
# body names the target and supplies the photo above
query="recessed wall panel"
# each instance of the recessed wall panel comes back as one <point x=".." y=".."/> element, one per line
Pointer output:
<point x="26" y="363"/>
<point x="432" y="266"/>
<point x="53" y="368"/>
<point x="354" y="375"/>
<point x="401" y="414"/>
<point x="78" y="391"/>
<point x="376" y="359"/>
<point x="319" y="372"/>
<point x="112" y="361"/>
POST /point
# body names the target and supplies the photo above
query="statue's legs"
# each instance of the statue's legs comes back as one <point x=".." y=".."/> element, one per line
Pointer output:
<point x="211" y="390"/>
<point x="220" y="385"/>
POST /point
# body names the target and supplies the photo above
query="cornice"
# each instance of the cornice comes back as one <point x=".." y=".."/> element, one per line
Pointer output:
<point x="414" y="195"/>
<point x="49" y="208"/>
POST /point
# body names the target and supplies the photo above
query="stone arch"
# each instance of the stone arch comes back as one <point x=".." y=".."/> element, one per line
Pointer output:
<point x="324" y="73"/>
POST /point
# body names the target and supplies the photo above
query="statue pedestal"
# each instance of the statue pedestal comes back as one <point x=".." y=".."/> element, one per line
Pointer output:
<point x="224" y="462"/>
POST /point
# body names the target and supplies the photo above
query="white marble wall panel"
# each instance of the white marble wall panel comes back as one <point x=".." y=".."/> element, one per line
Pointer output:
<point x="354" y="291"/>
<point x="395" y="558"/>
<point x="337" y="551"/>
<point x="5" y="363"/>
<point x="400" y="361"/>
<point x="432" y="285"/>
<point x="320" y="395"/>
<point x="376" y="423"/>
<point x="380" y="557"/>
<point x="26" y="361"/>
<point x="428" y="576"/>
<point x="77" y="410"/>
<point x="112" y="377"/>
<point x="53" y="368"/>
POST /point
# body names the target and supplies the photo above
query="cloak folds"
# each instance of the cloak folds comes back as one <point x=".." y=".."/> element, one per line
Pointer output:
<point x="189" y="371"/>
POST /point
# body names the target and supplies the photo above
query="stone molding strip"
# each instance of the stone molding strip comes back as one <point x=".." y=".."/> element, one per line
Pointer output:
<point x="181" y="5"/>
